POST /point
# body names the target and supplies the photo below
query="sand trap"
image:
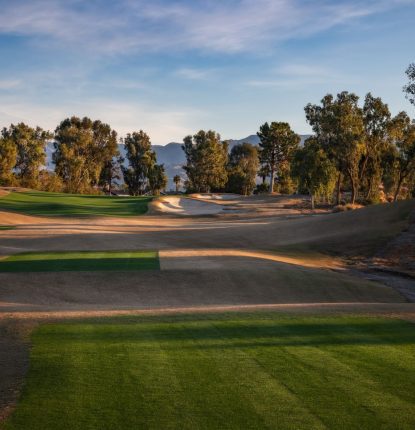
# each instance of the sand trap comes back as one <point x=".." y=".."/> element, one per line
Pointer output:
<point x="185" y="206"/>
<point x="221" y="196"/>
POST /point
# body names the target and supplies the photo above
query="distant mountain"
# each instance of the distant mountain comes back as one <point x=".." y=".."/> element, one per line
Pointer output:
<point x="171" y="155"/>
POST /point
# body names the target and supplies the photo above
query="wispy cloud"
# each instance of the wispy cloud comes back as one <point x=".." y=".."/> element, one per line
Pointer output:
<point x="9" y="84"/>
<point x="230" y="26"/>
<point x="194" y="74"/>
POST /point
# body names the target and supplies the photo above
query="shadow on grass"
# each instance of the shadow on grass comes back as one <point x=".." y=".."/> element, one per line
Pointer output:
<point x="224" y="334"/>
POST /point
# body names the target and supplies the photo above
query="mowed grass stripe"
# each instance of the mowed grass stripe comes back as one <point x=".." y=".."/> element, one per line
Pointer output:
<point x="230" y="371"/>
<point x="60" y="204"/>
<point x="81" y="261"/>
<point x="7" y="227"/>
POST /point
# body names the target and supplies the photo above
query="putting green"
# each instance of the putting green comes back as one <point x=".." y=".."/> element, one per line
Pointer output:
<point x="235" y="371"/>
<point x="59" y="204"/>
<point x="81" y="261"/>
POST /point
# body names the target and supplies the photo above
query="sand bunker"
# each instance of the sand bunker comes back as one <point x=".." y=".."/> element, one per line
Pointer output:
<point x="185" y="206"/>
<point x="210" y="196"/>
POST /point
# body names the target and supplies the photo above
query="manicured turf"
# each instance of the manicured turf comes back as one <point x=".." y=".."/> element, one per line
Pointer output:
<point x="240" y="371"/>
<point x="81" y="261"/>
<point x="57" y="204"/>
<point x="7" y="227"/>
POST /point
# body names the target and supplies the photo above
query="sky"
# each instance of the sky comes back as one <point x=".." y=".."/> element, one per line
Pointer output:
<point x="173" y="67"/>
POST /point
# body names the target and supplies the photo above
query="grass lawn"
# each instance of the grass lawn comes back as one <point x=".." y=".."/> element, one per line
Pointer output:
<point x="58" y="204"/>
<point x="7" y="227"/>
<point x="229" y="371"/>
<point x="81" y="261"/>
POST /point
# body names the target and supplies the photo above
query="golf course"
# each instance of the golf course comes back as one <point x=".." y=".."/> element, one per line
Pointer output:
<point x="203" y="312"/>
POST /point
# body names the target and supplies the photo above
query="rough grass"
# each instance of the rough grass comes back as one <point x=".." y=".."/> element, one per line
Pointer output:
<point x="81" y="261"/>
<point x="58" y="204"/>
<point x="240" y="371"/>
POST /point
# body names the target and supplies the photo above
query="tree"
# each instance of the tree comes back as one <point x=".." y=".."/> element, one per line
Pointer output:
<point x="157" y="179"/>
<point x="376" y="118"/>
<point x="110" y="172"/>
<point x="82" y="148"/>
<point x="402" y="132"/>
<point x="409" y="88"/>
<point x="242" y="169"/>
<point x="206" y="159"/>
<point x="339" y="129"/>
<point x="177" y="180"/>
<point x="277" y="143"/>
<point x="30" y="146"/>
<point x="313" y="169"/>
<point x="8" y="158"/>
<point x="141" y="161"/>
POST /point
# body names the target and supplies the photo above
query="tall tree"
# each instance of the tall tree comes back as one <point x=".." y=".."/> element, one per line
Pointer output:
<point x="30" y="146"/>
<point x="339" y="129"/>
<point x="277" y="144"/>
<point x="376" y="118"/>
<point x="82" y="148"/>
<point x="8" y="158"/>
<point x="206" y="159"/>
<point x="242" y="169"/>
<point x="157" y="179"/>
<point x="409" y="88"/>
<point x="110" y="173"/>
<point x="313" y="170"/>
<point x="402" y="132"/>
<point x="177" y="180"/>
<point x="141" y="160"/>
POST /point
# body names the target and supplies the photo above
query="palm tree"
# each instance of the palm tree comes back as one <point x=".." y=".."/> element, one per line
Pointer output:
<point x="177" y="179"/>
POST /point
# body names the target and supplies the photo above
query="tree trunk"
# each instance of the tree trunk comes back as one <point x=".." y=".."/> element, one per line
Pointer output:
<point x="353" y="184"/>
<point x="312" y="201"/>
<point x="398" y="188"/>
<point x="369" y="189"/>
<point x="338" y="191"/>
<point x="177" y="187"/>
<point x="271" y="185"/>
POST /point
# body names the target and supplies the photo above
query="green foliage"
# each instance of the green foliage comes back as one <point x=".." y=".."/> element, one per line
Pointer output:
<point x="82" y="148"/>
<point x="8" y="158"/>
<point x="313" y="169"/>
<point x="339" y="129"/>
<point x="157" y="179"/>
<point x="206" y="160"/>
<point x="409" y="88"/>
<point x="50" y="181"/>
<point x="277" y="144"/>
<point x="402" y="156"/>
<point x="80" y="261"/>
<point x="233" y="371"/>
<point x="55" y="204"/>
<point x="242" y="169"/>
<point x="30" y="147"/>
<point x="110" y="173"/>
<point x="141" y="160"/>
<point x="376" y="119"/>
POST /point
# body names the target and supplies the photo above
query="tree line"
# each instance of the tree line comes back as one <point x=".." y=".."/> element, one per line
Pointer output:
<point x="86" y="158"/>
<point x="359" y="148"/>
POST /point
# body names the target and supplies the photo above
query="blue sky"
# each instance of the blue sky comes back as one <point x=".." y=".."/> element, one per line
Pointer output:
<point x="172" y="67"/>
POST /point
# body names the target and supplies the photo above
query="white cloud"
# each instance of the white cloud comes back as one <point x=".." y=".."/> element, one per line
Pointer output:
<point x="9" y="84"/>
<point x="194" y="74"/>
<point x="137" y="25"/>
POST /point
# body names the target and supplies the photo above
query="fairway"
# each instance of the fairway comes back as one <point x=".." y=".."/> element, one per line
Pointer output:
<point x="58" y="204"/>
<point x="7" y="227"/>
<point x="81" y="261"/>
<point x="223" y="371"/>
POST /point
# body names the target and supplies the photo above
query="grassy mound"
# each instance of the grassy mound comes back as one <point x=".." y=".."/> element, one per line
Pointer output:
<point x="235" y="371"/>
<point x="81" y="261"/>
<point x="58" y="204"/>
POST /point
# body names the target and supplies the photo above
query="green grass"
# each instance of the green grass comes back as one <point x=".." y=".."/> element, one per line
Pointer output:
<point x="7" y="227"/>
<point x="239" y="371"/>
<point x="58" y="204"/>
<point x="81" y="261"/>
